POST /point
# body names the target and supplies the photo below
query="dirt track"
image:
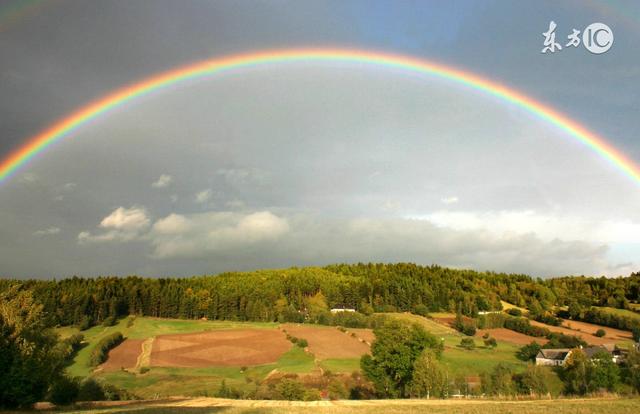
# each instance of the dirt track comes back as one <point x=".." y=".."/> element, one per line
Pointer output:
<point x="237" y="347"/>
<point x="124" y="355"/>
<point x="328" y="342"/>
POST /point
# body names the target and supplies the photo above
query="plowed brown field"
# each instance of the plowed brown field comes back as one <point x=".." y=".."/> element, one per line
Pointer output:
<point x="588" y="338"/>
<point x="124" y="355"/>
<point x="328" y="342"/>
<point x="507" y="335"/>
<point x="612" y="333"/>
<point x="237" y="347"/>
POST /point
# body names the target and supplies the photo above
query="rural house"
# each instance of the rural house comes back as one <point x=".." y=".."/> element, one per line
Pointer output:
<point x="558" y="357"/>
<point x="552" y="357"/>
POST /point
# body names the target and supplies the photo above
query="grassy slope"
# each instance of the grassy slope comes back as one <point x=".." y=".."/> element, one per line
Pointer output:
<point x="463" y="362"/>
<point x="143" y="328"/>
<point x="205" y="381"/>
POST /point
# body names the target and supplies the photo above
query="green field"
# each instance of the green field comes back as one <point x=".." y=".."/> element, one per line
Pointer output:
<point x="477" y="406"/>
<point x="142" y="328"/>
<point x="460" y="361"/>
<point x="163" y="382"/>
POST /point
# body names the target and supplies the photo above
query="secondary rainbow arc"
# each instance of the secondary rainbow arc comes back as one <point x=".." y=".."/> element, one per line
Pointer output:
<point x="67" y="125"/>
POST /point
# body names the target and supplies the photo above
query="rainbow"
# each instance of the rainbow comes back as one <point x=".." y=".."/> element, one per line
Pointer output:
<point x="69" y="124"/>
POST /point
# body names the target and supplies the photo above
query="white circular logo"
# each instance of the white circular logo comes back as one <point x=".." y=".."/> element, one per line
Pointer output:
<point x="597" y="38"/>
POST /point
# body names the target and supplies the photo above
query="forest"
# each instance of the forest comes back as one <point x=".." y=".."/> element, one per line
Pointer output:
<point x="292" y="294"/>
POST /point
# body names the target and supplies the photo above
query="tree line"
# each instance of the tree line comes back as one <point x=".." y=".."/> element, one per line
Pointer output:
<point x="272" y="295"/>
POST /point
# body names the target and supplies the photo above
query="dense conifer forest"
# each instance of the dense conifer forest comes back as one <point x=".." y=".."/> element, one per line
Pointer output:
<point x="294" y="294"/>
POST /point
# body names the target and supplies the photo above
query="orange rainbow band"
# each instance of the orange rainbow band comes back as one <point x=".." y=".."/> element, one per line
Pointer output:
<point x="69" y="124"/>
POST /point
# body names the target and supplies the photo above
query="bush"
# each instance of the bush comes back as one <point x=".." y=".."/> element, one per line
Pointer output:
<point x="312" y="394"/>
<point x="85" y="323"/>
<point x="302" y="343"/>
<point x="64" y="391"/>
<point x="144" y="370"/>
<point x="99" y="353"/>
<point x="469" y="329"/>
<point x="337" y="390"/>
<point x="468" y="343"/>
<point x="600" y="333"/>
<point x="291" y="390"/>
<point x="490" y="342"/>
<point x="529" y="352"/>
<point x="421" y="310"/>
<point x="515" y="312"/>
<point x="90" y="390"/>
<point x="109" y="321"/>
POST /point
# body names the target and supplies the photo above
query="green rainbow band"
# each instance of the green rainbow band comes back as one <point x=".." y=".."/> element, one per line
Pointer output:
<point x="64" y="127"/>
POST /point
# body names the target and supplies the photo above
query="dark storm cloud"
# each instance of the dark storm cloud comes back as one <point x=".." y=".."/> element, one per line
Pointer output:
<point x="223" y="151"/>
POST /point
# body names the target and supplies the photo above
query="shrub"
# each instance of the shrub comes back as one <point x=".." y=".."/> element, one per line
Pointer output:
<point x="600" y="333"/>
<point x="421" y="310"/>
<point x="99" y="353"/>
<point x="144" y="370"/>
<point x="64" y="391"/>
<point x="337" y="390"/>
<point x="302" y="343"/>
<point x="514" y="312"/>
<point x="130" y="321"/>
<point x="85" y="323"/>
<point x="289" y="389"/>
<point x="529" y="352"/>
<point x="490" y="342"/>
<point x="90" y="390"/>
<point x="312" y="394"/>
<point x="468" y="343"/>
<point x="469" y="329"/>
<point x="109" y="321"/>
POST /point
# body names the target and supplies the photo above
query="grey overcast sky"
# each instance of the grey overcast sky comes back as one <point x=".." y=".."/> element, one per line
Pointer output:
<point x="315" y="163"/>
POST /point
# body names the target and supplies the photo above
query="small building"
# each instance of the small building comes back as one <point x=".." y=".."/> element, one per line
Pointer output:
<point x="558" y="357"/>
<point x="336" y="310"/>
<point x="552" y="357"/>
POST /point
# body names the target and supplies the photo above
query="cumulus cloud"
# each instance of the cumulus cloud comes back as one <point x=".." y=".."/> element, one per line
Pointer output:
<point x="47" y="232"/>
<point x="203" y="196"/>
<point x="123" y="224"/>
<point x="200" y="234"/>
<point x="163" y="181"/>
<point x="547" y="226"/>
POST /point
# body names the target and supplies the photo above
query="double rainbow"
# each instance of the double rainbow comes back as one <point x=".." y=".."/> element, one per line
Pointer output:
<point x="66" y="126"/>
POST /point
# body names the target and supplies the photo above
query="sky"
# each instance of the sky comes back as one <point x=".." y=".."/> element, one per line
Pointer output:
<point x="313" y="163"/>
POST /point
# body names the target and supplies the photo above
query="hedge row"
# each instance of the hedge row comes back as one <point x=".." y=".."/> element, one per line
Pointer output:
<point x="99" y="353"/>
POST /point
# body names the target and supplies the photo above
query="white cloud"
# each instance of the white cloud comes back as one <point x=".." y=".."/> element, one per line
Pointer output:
<point x="47" y="232"/>
<point x="172" y="224"/>
<point x="200" y="234"/>
<point x="547" y="226"/>
<point x="449" y="200"/>
<point x="69" y="186"/>
<point x="163" y="181"/>
<point x="203" y="196"/>
<point x="123" y="224"/>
